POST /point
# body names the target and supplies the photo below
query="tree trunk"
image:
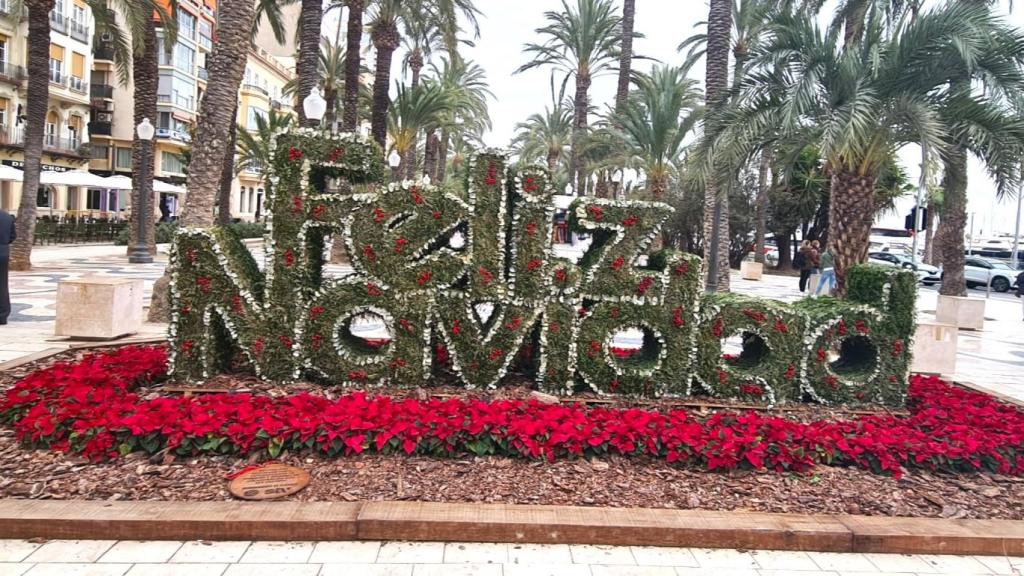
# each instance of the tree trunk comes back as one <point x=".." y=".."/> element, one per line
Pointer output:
<point x="785" y="253"/>
<point x="626" y="56"/>
<point x="954" y="220"/>
<point x="430" y="155"/>
<point x="385" y="40"/>
<point x="227" y="175"/>
<point x="331" y="97"/>
<point x="415" y="65"/>
<point x="579" y="131"/>
<point x="306" y="67"/>
<point x="146" y="77"/>
<point x="716" y="78"/>
<point x="761" y="215"/>
<point x="442" y="158"/>
<point x="929" y="236"/>
<point x="851" y="212"/>
<point x="35" y="110"/>
<point x="353" y="40"/>
<point x="853" y="24"/>
<point x="553" y="160"/>
<point x="601" y="187"/>
<point x="658" y="185"/>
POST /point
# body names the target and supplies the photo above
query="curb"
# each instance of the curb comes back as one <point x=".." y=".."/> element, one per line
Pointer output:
<point x="457" y="522"/>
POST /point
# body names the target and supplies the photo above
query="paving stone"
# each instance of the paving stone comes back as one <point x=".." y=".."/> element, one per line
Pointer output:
<point x="946" y="563"/>
<point x="599" y="570"/>
<point x="177" y="570"/>
<point x="16" y="550"/>
<point x="839" y="561"/>
<point x="210" y="552"/>
<point x="14" y="569"/>
<point x="716" y="572"/>
<point x="546" y="570"/>
<point x="456" y="570"/>
<point x="605" y="555"/>
<point x="899" y="563"/>
<point x="70" y="551"/>
<point x="713" y="558"/>
<point x="658" y="556"/>
<point x="475" y="553"/>
<point x="783" y="560"/>
<point x="366" y="570"/>
<point x="278" y="553"/>
<point x="345" y="552"/>
<point x="411" y="553"/>
<point x="272" y="570"/>
<point x="539" y="554"/>
<point x="79" y="569"/>
<point x="134" y="552"/>
<point x="1002" y="564"/>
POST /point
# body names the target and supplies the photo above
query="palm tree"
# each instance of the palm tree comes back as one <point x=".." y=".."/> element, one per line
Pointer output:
<point x="310" y="20"/>
<point x="254" y="146"/>
<point x="582" y="42"/>
<point x="626" y="55"/>
<point x="664" y="108"/>
<point x="544" y="136"/>
<point x="862" y="101"/>
<point x="35" y="119"/>
<point x="465" y="83"/>
<point x="415" y="109"/>
<point x="716" y="207"/>
<point x="353" y="40"/>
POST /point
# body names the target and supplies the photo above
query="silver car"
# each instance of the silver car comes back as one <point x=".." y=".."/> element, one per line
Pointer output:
<point x="979" y="271"/>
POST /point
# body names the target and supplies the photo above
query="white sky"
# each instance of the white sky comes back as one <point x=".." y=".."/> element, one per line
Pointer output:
<point x="507" y="24"/>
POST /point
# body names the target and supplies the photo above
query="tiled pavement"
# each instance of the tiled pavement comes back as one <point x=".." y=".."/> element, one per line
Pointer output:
<point x="110" y="558"/>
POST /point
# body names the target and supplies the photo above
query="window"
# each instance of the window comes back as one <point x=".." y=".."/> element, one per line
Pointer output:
<point x="99" y="152"/>
<point x="123" y="159"/>
<point x="43" y="198"/>
<point x="56" y="64"/>
<point x="171" y="162"/>
<point x="50" y="136"/>
<point x="92" y="200"/>
<point x="78" y="14"/>
<point x="3" y="56"/>
<point x="186" y="24"/>
<point x="205" y="33"/>
<point x="184" y="57"/>
<point x="254" y="112"/>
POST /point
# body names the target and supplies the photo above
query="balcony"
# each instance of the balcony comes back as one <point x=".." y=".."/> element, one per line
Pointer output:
<point x="205" y="42"/>
<point x="103" y="51"/>
<point x="5" y="8"/>
<point x="255" y="88"/>
<point x="58" y="22"/>
<point x="57" y="77"/>
<point x="168" y="134"/>
<point x="78" y="85"/>
<point x="104" y="91"/>
<point x="101" y="128"/>
<point x="11" y="73"/>
<point x="203" y="74"/>
<point x="177" y="100"/>
<point x="79" y="31"/>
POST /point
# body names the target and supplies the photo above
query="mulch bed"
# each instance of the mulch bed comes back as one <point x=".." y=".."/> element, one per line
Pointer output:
<point x="610" y="481"/>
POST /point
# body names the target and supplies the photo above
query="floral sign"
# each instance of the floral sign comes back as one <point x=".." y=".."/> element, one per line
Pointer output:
<point x="468" y="279"/>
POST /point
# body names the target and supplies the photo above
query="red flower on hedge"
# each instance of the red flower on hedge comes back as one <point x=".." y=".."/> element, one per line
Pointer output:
<point x="492" y="175"/>
<point x="531" y="228"/>
<point x="441" y="353"/>
<point x="294" y="154"/>
<point x="718" y="327"/>
<point x="407" y="325"/>
<point x="496" y="354"/>
<point x="790" y="372"/>
<point x="296" y="204"/>
<point x="417" y="198"/>
<point x="286" y="341"/>
<point x="681" y="269"/>
<point x="595" y="348"/>
<point x="755" y="315"/>
<point x="400" y="244"/>
<point x="618" y="263"/>
<point x="315" y="341"/>
<point x="319" y="211"/>
<point x="423" y="278"/>
<point x="614" y="312"/>
<point x="861" y="327"/>
<point x="336" y="154"/>
<point x="630" y="222"/>
<point x="841" y="327"/>
<point x="529" y="185"/>
<point x="435" y="215"/>
<point x="205" y="284"/>
<point x="379" y="215"/>
<point x="485" y="276"/>
<point x="289" y="258"/>
<point x="185" y="309"/>
<point x="369" y="253"/>
<point x="315" y="312"/>
<point x="357" y="375"/>
<point x="561" y="275"/>
<point x="258" y="345"/>
<point x="373" y="290"/>
<point x="533" y="264"/>
<point x="752" y="390"/>
<point x="644" y="285"/>
<point x="677" y="317"/>
<point x="595" y="212"/>
<point x="514" y="324"/>
<point x="822" y="355"/>
<point x="456" y="328"/>
<point x="897" y="348"/>
<point x="236" y="304"/>
<point x="781" y="326"/>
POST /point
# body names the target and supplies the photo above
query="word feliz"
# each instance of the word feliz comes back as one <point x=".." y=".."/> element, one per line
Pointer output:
<point x="497" y="300"/>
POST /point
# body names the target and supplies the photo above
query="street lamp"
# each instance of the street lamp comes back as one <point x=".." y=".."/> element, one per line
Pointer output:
<point x="139" y="253"/>
<point x="314" y="106"/>
<point x="394" y="161"/>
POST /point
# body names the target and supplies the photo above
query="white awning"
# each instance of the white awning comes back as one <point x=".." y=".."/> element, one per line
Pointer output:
<point x="167" y="188"/>
<point x="562" y="202"/>
<point x="72" y="178"/>
<point x="118" y="182"/>
<point x="10" y="173"/>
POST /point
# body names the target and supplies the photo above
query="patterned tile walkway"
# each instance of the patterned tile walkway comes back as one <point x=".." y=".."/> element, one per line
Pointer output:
<point x="109" y="558"/>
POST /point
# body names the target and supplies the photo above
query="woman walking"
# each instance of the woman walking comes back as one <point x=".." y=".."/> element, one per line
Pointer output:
<point x="828" y="273"/>
<point x="805" y="261"/>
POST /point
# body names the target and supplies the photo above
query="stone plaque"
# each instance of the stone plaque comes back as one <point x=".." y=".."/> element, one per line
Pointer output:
<point x="269" y="482"/>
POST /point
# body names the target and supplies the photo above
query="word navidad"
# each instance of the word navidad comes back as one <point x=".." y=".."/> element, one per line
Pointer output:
<point x="500" y="299"/>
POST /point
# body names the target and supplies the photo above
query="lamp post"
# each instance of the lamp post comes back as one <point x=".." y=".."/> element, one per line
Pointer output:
<point x="139" y="253"/>
<point x="394" y="161"/>
<point x="314" y="107"/>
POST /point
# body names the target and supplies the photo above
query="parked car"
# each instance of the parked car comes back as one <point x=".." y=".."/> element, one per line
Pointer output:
<point x="926" y="273"/>
<point x="979" y="271"/>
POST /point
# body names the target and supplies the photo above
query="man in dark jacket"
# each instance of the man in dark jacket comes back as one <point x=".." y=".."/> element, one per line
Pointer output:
<point x="7" y="236"/>
<point x="1020" y="284"/>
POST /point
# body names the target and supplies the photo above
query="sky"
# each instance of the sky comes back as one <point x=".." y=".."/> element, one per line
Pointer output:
<point x="507" y="24"/>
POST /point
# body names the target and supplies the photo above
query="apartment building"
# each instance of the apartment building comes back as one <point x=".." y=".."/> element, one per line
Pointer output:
<point x="183" y="78"/>
<point x="65" y="145"/>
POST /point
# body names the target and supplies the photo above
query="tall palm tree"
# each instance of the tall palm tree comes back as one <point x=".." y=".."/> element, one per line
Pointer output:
<point x="716" y="207"/>
<point x="353" y="40"/>
<point x="415" y="109"/>
<point x="582" y="42"/>
<point x="626" y="55"/>
<point x="310" y="20"/>
<point x="35" y="119"/>
<point x="465" y="83"/>
<point x="660" y="113"/>
<point x="861" y="101"/>
<point x="253" y="149"/>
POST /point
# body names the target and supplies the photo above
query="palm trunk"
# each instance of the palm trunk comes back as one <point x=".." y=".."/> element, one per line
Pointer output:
<point x="331" y="97"/>
<point x="415" y="65"/>
<point x="785" y="252"/>
<point x="626" y="56"/>
<point x="146" y="77"/>
<point x="552" y="160"/>
<point x="353" y="40"/>
<point x="35" y="109"/>
<point x="385" y="40"/>
<point x="226" y="64"/>
<point x="430" y="154"/>
<point x="227" y="175"/>
<point x="658" y="185"/>
<point x="579" y="131"/>
<point x="761" y="216"/>
<point x="601" y="187"/>
<point x="929" y="236"/>
<point x="306" y="68"/>
<point x="851" y="212"/>
<point x="442" y="158"/>
<point x="716" y="205"/>
<point x="954" y="220"/>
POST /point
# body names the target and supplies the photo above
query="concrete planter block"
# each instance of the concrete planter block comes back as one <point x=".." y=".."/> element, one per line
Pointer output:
<point x="98" y="308"/>
<point x="934" y="348"/>
<point x="964" y="313"/>
<point x="751" y="270"/>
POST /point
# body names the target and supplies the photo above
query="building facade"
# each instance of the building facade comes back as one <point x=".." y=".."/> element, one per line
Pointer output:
<point x="66" y="139"/>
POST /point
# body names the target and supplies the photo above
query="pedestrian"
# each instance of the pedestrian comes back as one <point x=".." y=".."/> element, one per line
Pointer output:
<point x="7" y="235"/>
<point x="804" y="262"/>
<point x="1020" y="286"/>
<point x="828" y="272"/>
<point x="815" y="257"/>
